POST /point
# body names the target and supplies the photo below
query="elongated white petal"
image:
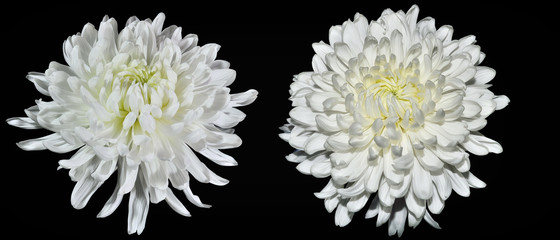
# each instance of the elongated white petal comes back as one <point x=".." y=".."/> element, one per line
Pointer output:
<point x="428" y="218"/>
<point x="218" y="157"/>
<point x="83" y="191"/>
<point x="112" y="204"/>
<point x="175" y="204"/>
<point x="23" y="122"/>
<point x="397" y="219"/>
<point x="138" y="205"/>
<point x="37" y="143"/>
<point x="342" y="216"/>
<point x="194" y="199"/>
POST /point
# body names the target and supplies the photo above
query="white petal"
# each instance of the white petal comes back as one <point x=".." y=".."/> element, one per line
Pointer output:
<point x="442" y="184"/>
<point x="129" y="120"/>
<point x="471" y="109"/>
<point x="83" y="190"/>
<point x="303" y="115"/>
<point x="481" y="145"/>
<point x="322" y="49"/>
<point x="321" y="167"/>
<point x="428" y="159"/>
<point x="327" y="124"/>
<point x="315" y="143"/>
<point x="222" y="77"/>
<point x="342" y="217"/>
<point x="381" y="141"/>
<point x="421" y="182"/>
<point x="501" y="101"/>
<point x="104" y="170"/>
<point x="444" y="33"/>
<point x="244" y="98"/>
<point x="374" y="178"/>
<point x="210" y="50"/>
<point x="81" y="157"/>
<point x="431" y="221"/>
<point x="175" y="204"/>
<point x="23" y="122"/>
<point x="59" y="145"/>
<point x="37" y="143"/>
<point x="138" y="206"/>
<point x="401" y="189"/>
<point x="218" y="157"/>
<point x="297" y="156"/>
<point x="351" y="36"/>
<point x="158" y="23"/>
<point x="318" y="65"/>
<point x="338" y="142"/>
<point x="352" y="190"/>
<point x="458" y="182"/>
<point x="474" y="182"/>
<point x="111" y="204"/>
<point x="328" y="191"/>
<point x="127" y="175"/>
<point x="331" y="203"/>
<point x="373" y="208"/>
<point x="343" y="51"/>
<point x="383" y="214"/>
<point x="483" y="75"/>
<point x="95" y="105"/>
<point x="404" y="162"/>
<point x="147" y="122"/>
<point x="397" y="219"/>
<point x="436" y="204"/>
<point x="335" y="34"/>
<point x="106" y="153"/>
<point x="356" y="203"/>
<point x="415" y="205"/>
<point x="385" y="197"/>
<point x="156" y="174"/>
<point x="40" y="82"/>
<point x="194" y="199"/>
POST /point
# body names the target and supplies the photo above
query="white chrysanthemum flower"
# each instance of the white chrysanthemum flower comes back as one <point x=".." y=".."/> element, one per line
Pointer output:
<point x="389" y="112"/>
<point x="137" y="102"/>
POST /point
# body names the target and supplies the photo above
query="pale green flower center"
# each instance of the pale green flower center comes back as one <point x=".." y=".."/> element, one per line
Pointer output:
<point x="142" y="75"/>
<point x="391" y="93"/>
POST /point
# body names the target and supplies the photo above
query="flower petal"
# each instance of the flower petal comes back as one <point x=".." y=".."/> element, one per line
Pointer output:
<point x="175" y="204"/>
<point x="23" y="122"/>
<point x="244" y="98"/>
<point x="458" y="182"/>
<point x="111" y="204"/>
<point x="37" y="143"/>
<point x="428" y="218"/>
<point x="83" y="190"/>
<point x="138" y="205"/>
<point x="397" y="219"/>
<point x="194" y="199"/>
<point x="218" y="157"/>
<point x="342" y="216"/>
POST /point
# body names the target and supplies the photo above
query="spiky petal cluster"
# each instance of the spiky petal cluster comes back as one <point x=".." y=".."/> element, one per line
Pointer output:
<point x="137" y="103"/>
<point x="390" y="113"/>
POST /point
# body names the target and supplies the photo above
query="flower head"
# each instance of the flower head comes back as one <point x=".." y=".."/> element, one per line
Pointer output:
<point x="138" y="102"/>
<point x="390" y="113"/>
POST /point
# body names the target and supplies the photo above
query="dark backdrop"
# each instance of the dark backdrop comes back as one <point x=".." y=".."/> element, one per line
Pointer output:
<point x="267" y="43"/>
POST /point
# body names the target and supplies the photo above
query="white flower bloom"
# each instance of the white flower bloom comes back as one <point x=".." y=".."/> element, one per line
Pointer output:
<point x="390" y="112"/>
<point x="137" y="103"/>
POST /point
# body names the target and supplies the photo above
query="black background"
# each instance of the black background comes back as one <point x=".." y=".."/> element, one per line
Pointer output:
<point x="267" y="43"/>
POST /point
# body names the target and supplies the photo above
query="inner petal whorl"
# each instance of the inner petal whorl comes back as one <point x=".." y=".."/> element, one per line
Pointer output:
<point x="390" y="91"/>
